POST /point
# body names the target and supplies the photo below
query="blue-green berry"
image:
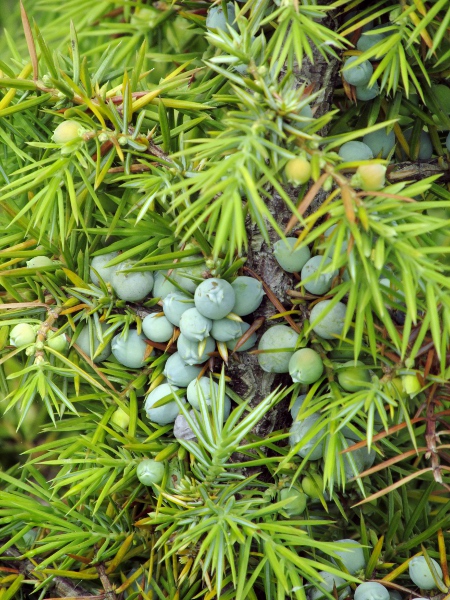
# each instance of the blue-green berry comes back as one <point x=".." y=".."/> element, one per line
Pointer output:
<point x="194" y="325"/>
<point x="178" y="372"/>
<point x="208" y="390"/>
<point x="371" y="590"/>
<point x="188" y="278"/>
<point x="357" y="74"/>
<point x="247" y="345"/>
<point x="329" y="582"/>
<point x="157" y="327"/>
<point x="299" y="430"/>
<point x="278" y="344"/>
<point x="353" y="558"/>
<point x="330" y="325"/>
<point x="216" y="18"/>
<point x="130" y="351"/>
<point x="290" y="259"/>
<point x="189" y="349"/>
<point x="175" y="304"/>
<point x="166" y="413"/>
<point x="420" y="572"/>
<point x="162" y="287"/>
<point x="98" y="265"/>
<point x="380" y="142"/>
<point x="297" y="405"/>
<point x="130" y="286"/>
<point x="214" y="298"/>
<point x="319" y="280"/>
<point x="83" y="342"/>
<point x="225" y="330"/>
<point x="249" y="295"/>
<point x="355" y="151"/>
<point x="365" y="93"/>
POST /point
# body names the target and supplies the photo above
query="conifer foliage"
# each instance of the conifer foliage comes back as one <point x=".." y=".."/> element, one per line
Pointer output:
<point x="194" y="194"/>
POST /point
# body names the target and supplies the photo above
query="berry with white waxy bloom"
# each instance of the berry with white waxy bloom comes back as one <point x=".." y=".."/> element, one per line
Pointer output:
<point x="420" y="573"/>
<point x="332" y="324"/>
<point x="157" y="327"/>
<point x="425" y="145"/>
<point x="208" y="390"/>
<point x="83" y="342"/>
<point x="319" y="283"/>
<point x="299" y="430"/>
<point x="353" y="558"/>
<point x="175" y="304"/>
<point x="130" y="351"/>
<point x="39" y="261"/>
<point x="129" y="286"/>
<point x="166" y="413"/>
<point x="224" y="330"/>
<point x="329" y="582"/>
<point x="98" y="263"/>
<point x="290" y="259"/>
<point x="369" y="177"/>
<point x="352" y="377"/>
<point x="368" y="38"/>
<point x="162" y="287"/>
<point x="357" y="74"/>
<point x="214" y="298"/>
<point x="194" y="325"/>
<point x="305" y="366"/>
<point x="150" y="471"/>
<point x="298" y="170"/>
<point x="298" y="501"/>
<point x="189" y="350"/>
<point x="366" y="93"/>
<point x="216" y="18"/>
<point x="353" y="151"/>
<point x="231" y="344"/>
<point x="22" y="334"/>
<point x="297" y="405"/>
<point x="249" y="294"/>
<point x="380" y="142"/>
<point x="371" y="590"/>
<point x="57" y="342"/>
<point x="274" y="339"/>
<point x="353" y="461"/>
<point x="188" y="278"/>
<point x="178" y="372"/>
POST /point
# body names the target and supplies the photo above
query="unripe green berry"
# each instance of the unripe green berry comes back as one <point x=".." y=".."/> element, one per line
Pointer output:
<point x="120" y="418"/>
<point x="150" y="471"/>
<point x="22" y="334"/>
<point x="370" y="177"/>
<point x="67" y="131"/>
<point x="298" y="171"/>
<point x="352" y="377"/>
<point x="298" y="501"/>
<point x="289" y="258"/>
<point x="411" y="384"/>
<point x="39" y="261"/>
<point x="57" y="342"/>
<point x="305" y="366"/>
<point x="312" y="485"/>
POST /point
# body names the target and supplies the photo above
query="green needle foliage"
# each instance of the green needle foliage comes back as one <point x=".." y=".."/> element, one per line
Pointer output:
<point x="162" y="135"/>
